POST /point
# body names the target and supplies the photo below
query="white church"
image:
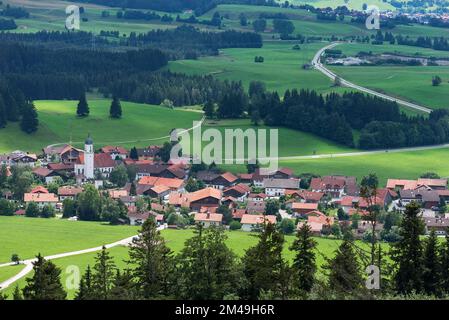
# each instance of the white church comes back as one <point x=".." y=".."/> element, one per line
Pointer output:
<point x="90" y="165"/>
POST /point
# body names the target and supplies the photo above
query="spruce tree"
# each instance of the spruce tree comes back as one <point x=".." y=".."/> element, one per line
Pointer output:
<point x="151" y="262"/>
<point x="17" y="295"/>
<point x="444" y="263"/>
<point x="116" y="109"/>
<point x="29" y="122"/>
<point x="345" y="278"/>
<point x="208" y="269"/>
<point x="45" y="284"/>
<point x="304" y="264"/>
<point x="3" y="296"/>
<point x="264" y="266"/>
<point x="3" y="119"/>
<point x="133" y="154"/>
<point x="432" y="267"/>
<point x="103" y="275"/>
<point x="124" y="287"/>
<point x="83" y="108"/>
<point x="85" y="291"/>
<point x="407" y="253"/>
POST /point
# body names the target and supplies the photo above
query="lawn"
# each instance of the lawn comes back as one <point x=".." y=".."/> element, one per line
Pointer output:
<point x="238" y="241"/>
<point x="8" y="272"/>
<point x="281" y="70"/>
<point x="141" y="125"/>
<point x="29" y="236"/>
<point x="352" y="4"/>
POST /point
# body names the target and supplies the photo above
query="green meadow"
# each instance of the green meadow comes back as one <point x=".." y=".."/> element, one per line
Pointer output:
<point x="238" y="241"/>
<point x="141" y="125"/>
<point x="29" y="236"/>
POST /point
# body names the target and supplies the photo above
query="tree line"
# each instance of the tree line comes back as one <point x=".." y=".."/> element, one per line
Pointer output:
<point x="207" y="269"/>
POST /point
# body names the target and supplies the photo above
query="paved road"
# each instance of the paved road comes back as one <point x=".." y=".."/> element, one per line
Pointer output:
<point x="320" y="67"/>
<point x="29" y="263"/>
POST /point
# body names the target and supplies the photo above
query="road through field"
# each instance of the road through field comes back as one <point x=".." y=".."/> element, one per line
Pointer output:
<point x="320" y="67"/>
<point x="29" y="263"/>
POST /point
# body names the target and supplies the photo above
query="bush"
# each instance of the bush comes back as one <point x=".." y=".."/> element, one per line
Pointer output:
<point x="7" y="208"/>
<point x="287" y="226"/>
<point x="235" y="225"/>
<point x="48" y="212"/>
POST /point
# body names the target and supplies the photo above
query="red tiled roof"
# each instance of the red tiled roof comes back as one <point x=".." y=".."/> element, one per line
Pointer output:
<point x="209" y="217"/>
<point x="257" y="219"/>
<point x="40" y="197"/>
<point x="229" y="177"/>
<point x="60" y="166"/>
<point x="69" y="191"/>
<point x="172" y="183"/>
<point x="304" y="206"/>
<point x="42" y="172"/>
<point x="112" y="149"/>
<point x="101" y="160"/>
<point x="39" y="189"/>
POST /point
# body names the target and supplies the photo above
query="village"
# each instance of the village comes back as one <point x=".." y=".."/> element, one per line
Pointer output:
<point x="178" y="195"/>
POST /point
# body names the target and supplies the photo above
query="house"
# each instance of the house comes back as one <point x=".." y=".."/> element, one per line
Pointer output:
<point x="88" y="164"/>
<point x="317" y="221"/>
<point x="173" y="184"/>
<point x="427" y="198"/>
<point x="161" y="170"/>
<point x="44" y="174"/>
<point x="116" y="153"/>
<point x="117" y="193"/>
<point x="41" y="199"/>
<point x="129" y="201"/>
<point x="68" y="193"/>
<point x="22" y="159"/>
<point x="252" y="222"/>
<point x="302" y="208"/>
<point x="239" y="191"/>
<point x="255" y="207"/>
<point x="209" y="197"/>
<point x="258" y="176"/>
<point x="159" y="191"/>
<point x="61" y="153"/>
<point x="39" y="189"/>
<point x="209" y="219"/>
<point x="63" y="169"/>
<point x="136" y="218"/>
<point x="439" y="225"/>
<point x="335" y="186"/>
<point x="257" y="197"/>
<point x="364" y="226"/>
<point x="148" y="153"/>
<point x="237" y="214"/>
<point x="217" y="180"/>
<point x="276" y="187"/>
<point x="305" y="196"/>
<point x="430" y="184"/>
<point x="444" y="195"/>
<point x="383" y="198"/>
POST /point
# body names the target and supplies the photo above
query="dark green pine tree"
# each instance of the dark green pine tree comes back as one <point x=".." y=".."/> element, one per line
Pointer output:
<point x="151" y="262"/>
<point x="30" y="121"/>
<point x="345" y="278"/>
<point x="116" y="109"/>
<point x="304" y="264"/>
<point x="103" y="275"/>
<point x="83" y="108"/>
<point x="124" y="287"/>
<point x="3" y="296"/>
<point x="45" y="284"/>
<point x="17" y="295"/>
<point x="208" y="269"/>
<point x="12" y="107"/>
<point x="264" y="266"/>
<point x="133" y="189"/>
<point x="444" y="263"/>
<point x="133" y="154"/>
<point x="85" y="291"/>
<point x="3" y="119"/>
<point x="407" y="253"/>
<point x="432" y="267"/>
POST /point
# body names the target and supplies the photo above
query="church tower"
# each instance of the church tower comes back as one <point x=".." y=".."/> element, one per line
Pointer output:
<point x="89" y="158"/>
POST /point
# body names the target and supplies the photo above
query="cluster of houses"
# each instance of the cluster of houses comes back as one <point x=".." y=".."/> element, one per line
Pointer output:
<point x="246" y="195"/>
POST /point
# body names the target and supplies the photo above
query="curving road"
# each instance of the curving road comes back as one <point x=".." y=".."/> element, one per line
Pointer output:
<point x="29" y="263"/>
<point x="320" y="67"/>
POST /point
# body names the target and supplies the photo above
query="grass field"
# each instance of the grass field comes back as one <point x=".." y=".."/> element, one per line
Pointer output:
<point x="352" y="4"/>
<point x="281" y="70"/>
<point x="141" y="125"/>
<point x="28" y="236"/>
<point x="238" y="241"/>
<point x="8" y="272"/>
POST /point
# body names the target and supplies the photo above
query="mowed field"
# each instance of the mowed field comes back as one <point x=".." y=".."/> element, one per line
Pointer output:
<point x="238" y="241"/>
<point x="351" y="4"/>
<point x="29" y="236"/>
<point x="281" y="70"/>
<point x="141" y="125"/>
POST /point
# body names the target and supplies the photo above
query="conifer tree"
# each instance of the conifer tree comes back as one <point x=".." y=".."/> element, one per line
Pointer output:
<point x="103" y="275"/>
<point x="208" y="269"/>
<point x="3" y="119"/>
<point x="17" y="295"/>
<point x="45" y="284"/>
<point x="304" y="264"/>
<point x="345" y="276"/>
<point x="432" y="267"/>
<point x="116" y="109"/>
<point x="124" y="287"/>
<point x="29" y="122"/>
<point x="407" y="253"/>
<point x="264" y="266"/>
<point x="83" y="108"/>
<point x="444" y="263"/>
<point x="133" y="154"/>
<point x="151" y="262"/>
<point x="85" y="291"/>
